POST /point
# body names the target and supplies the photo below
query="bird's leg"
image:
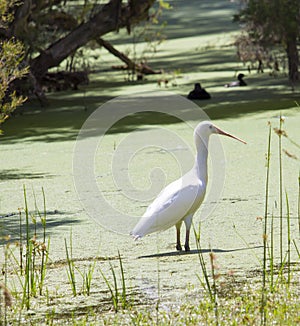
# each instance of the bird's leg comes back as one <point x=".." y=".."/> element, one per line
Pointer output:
<point x="188" y="223"/>
<point x="187" y="240"/>
<point x="178" y="244"/>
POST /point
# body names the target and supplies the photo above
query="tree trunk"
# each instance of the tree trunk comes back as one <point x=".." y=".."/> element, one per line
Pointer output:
<point x="293" y="60"/>
<point x="19" y="25"/>
<point x="130" y="65"/>
<point x="110" y="17"/>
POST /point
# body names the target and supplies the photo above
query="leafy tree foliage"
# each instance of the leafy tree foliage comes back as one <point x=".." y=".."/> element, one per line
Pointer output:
<point x="274" y="22"/>
<point x="11" y="65"/>
<point x="53" y="30"/>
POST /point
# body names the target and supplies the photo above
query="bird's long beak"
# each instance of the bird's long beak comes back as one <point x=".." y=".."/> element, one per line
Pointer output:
<point x="221" y="132"/>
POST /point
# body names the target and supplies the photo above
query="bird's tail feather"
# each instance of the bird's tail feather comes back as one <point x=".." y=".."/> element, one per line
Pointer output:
<point x="135" y="236"/>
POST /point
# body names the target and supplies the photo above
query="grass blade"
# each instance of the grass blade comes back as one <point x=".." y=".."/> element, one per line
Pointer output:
<point x="71" y="268"/>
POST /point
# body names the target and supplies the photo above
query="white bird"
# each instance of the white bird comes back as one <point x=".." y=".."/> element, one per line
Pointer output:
<point x="179" y="201"/>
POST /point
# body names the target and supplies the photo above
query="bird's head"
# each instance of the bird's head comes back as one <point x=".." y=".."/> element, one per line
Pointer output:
<point x="207" y="128"/>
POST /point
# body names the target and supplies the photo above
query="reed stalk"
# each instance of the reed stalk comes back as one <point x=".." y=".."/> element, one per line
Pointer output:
<point x="209" y="286"/>
<point x="44" y="248"/>
<point x="272" y="254"/>
<point x="71" y="267"/>
<point x="118" y="298"/>
<point x="288" y="238"/>
<point x="279" y="133"/>
<point x="206" y="285"/>
<point x="113" y="290"/>
<point x="296" y="247"/>
<point x="214" y="285"/>
<point x="87" y="279"/>
<point x="26" y="285"/>
<point x="124" y="290"/>
<point x="299" y="203"/>
<point x="264" y="274"/>
<point x="21" y="242"/>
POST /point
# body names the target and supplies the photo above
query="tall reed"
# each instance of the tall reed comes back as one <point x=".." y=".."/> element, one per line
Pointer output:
<point x="298" y="210"/>
<point x="71" y="266"/>
<point x="265" y="237"/>
<point x="284" y="229"/>
<point x="297" y="249"/>
<point x="117" y="297"/>
<point x="28" y="271"/>
<point x="272" y="263"/>
<point x="279" y="133"/>
<point x="288" y="238"/>
<point x="87" y="278"/>
<point x="44" y="247"/>
<point x="5" y="295"/>
<point x="20" y="241"/>
<point x="31" y="276"/>
<point x="209" y="286"/>
<point x="124" y="289"/>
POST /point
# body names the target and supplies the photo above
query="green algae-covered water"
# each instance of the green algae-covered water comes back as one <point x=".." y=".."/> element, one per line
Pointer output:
<point x="233" y="230"/>
<point x="138" y="156"/>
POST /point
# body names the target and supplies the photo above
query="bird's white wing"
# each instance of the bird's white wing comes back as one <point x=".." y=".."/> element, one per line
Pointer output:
<point x="175" y="202"/>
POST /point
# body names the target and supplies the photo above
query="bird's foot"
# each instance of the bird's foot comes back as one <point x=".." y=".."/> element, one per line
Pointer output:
<point x="187" y="247"/>
<point x="178" y="247"/>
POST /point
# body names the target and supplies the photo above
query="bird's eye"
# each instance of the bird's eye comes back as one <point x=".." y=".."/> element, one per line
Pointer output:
<point x="210" y="126"/>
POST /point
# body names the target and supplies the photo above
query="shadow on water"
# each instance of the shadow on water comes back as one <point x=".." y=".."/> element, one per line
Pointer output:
<point x="10" y="224"/>
<point x="16" y="174"/>
<point x="187" y="18"/>
<point x="195" y="252"/>
<point x="55" y="125"/>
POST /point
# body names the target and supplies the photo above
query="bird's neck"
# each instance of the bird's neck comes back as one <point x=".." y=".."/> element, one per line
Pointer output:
<point x="200" y="166"/>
